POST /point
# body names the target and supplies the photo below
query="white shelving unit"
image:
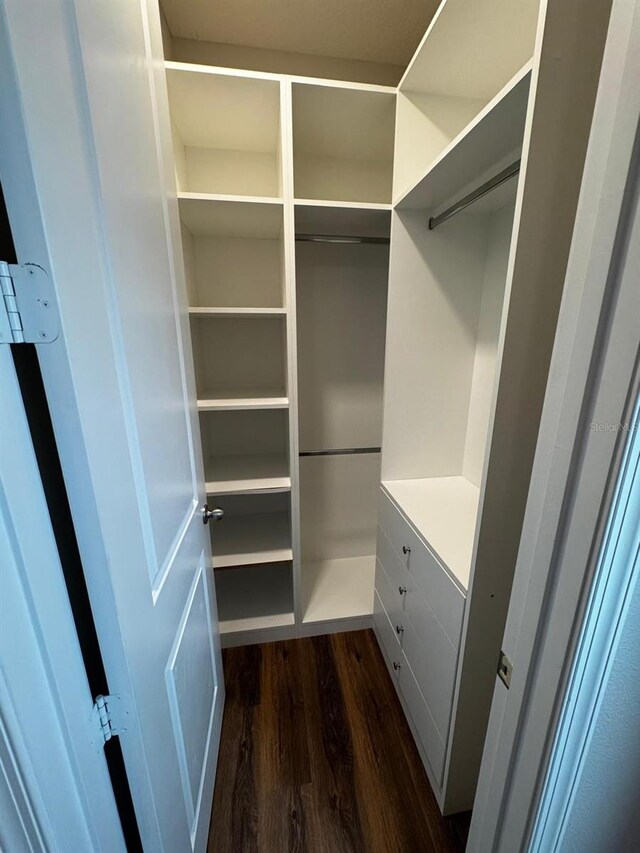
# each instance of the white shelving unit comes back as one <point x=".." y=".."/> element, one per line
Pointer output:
<point x="474" y="291"/>
<point x="229" y="139"/>
<point x="243" y="143"/>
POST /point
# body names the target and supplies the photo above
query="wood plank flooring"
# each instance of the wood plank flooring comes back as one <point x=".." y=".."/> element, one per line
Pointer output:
<point x="316" y="756"/>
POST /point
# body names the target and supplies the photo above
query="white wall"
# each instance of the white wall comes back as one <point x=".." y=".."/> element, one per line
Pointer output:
<point x="484" y="367"/>
<point x="282" y="62"/>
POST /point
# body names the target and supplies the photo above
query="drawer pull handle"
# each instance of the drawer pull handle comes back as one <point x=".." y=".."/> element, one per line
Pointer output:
<point x="399" y="630"/>
<point x="406" y="549"/>
<point x="402" y="590"/>
<point x="397" y="665"/>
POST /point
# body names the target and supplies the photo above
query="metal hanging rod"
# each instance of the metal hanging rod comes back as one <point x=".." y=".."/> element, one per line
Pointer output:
<point x="343" y="451"/>
<point x="339" y="238"/>
<point x="489" y="185"/>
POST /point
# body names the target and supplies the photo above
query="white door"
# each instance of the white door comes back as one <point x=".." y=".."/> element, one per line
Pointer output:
<point x="83" y="92"/>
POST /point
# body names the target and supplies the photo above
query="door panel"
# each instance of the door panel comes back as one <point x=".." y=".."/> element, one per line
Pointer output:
<point x="145" y="302"/>
<point x="192" y="671"/>
<point x="95" y="205"/>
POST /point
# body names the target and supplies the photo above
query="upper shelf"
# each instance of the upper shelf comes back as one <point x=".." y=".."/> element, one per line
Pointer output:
<point x="342" y="143"/>
<point x="468" y="56"/>
<point x="252" y="399"/>
<point x="247" y="473"/>
<point x="470" y="50"/>
<point x="246" y="540"/>
<point x="492" y="137"/>
<point x="342" y="219"/>
<point x="212" y="216"/>
<point x="226" y="132"/>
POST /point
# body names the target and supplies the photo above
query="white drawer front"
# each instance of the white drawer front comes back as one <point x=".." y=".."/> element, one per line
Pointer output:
<point x="434" y="667"/>
<point x="398" y="576"/>
<point x="423" y="723"/>
<point x="430" y="652"/>
<point x="389" y="645"/>
<point x="441" y="593"/>
<point x="389" y="597"/>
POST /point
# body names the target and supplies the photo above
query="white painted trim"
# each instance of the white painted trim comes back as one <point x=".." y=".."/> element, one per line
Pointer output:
<point x="56" y="780"/>
<point x="616" y="576"/>
<point x="336" y="626"/>
<point x="422" y="43"/>
<point x="349" y="205"/>
<point x="261" y="635"/>
<point x="245" y="199"/>
<point x="286" y="130"/>
<point x="171" y="65"/>
<point x="591" y="380"/>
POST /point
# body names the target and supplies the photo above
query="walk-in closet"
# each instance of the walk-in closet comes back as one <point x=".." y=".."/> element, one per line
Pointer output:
<point x="293" y="273"/>
<point x="371" y="341"/>
<point x="362" y="312"/>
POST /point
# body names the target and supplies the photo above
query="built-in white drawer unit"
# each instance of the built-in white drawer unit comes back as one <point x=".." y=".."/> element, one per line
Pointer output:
<point x="432" y="655"/>
<point x="440" y="591"/>
<point x="419" y="612"/>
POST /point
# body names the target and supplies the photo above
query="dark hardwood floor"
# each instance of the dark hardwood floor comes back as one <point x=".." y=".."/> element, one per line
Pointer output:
<point x="316" y="756"/>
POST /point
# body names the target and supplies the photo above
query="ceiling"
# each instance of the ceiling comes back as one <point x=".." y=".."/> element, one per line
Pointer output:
<point x="384" y="31"/>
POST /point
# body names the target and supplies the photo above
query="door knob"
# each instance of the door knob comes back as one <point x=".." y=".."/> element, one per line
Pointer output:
<point x="216" y="514"/>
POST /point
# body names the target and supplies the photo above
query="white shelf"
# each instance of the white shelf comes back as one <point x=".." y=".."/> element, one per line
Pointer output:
<point x="259" y="399"/>
<point x="470" y="49"/>
<point x="254" y="598"/>
<point x="252" y="473"/>
<point x="347" y="205"/>
<point x="444" y="511"/>
<point x="251" y="539"/>
<point x="494" y="134"/>
<point x="237" y="312"/>
<point x="338" y="589"/>
<point x="229" y="198"/>
<point x="207" y="215"/>
<point x="342" y="218"/>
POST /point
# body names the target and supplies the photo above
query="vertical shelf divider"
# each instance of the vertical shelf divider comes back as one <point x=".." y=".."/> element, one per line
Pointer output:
<point x="286" y="131"/>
